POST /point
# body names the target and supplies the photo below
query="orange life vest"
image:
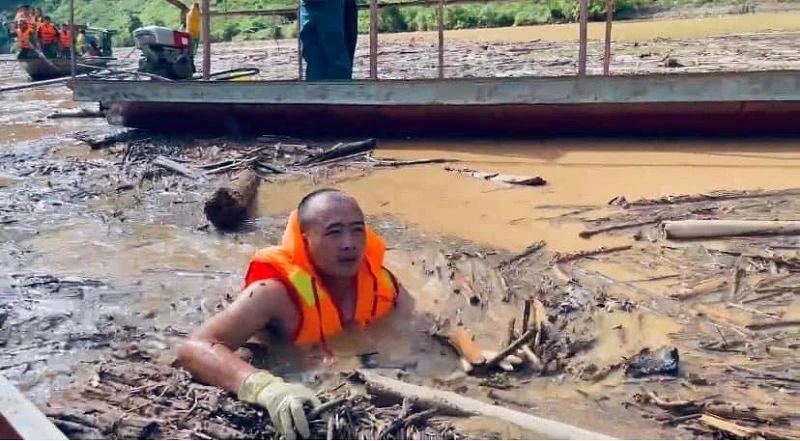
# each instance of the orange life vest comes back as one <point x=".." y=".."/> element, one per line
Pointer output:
<point x="24" y="38"/>
<point x="319" y="315"/>
<point x="65" y="38"/>
<point x="47" y="33"/>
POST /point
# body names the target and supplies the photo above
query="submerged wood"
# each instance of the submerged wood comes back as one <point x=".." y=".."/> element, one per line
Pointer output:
<point x="531" y="181"/>
<point x="721" y="195"/>
<point x="229" y="204"/>
<point x="341" y="150"/>
<point x="703" y="229"/>
<point x="169" y="164"/>
<point x="457" y="404"/>
<point x="82" y="113"/>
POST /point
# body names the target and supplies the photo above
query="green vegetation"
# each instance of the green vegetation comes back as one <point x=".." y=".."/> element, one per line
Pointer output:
<point x="126" y="15"/>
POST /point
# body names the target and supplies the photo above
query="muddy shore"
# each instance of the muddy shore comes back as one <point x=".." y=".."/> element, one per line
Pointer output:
<point x="106" y="255"/>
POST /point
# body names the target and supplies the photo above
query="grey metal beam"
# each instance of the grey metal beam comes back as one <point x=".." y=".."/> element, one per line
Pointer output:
<point x="25" y="418"/>
<point x="667" y="88"/>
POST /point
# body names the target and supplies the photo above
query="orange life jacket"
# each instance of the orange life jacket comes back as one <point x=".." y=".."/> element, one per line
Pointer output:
<point x="47" y="33"/>
<point x="65" y="38"/>
<point x="320" y="317"/>
<point x="24" y="38"/>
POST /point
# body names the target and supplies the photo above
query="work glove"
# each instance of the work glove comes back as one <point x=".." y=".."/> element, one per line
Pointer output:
<point x="284" y="402"/>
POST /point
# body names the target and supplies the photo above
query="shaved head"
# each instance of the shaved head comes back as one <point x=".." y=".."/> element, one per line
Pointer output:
<point x="313" y="205"/>
<point x="333" y="228"/>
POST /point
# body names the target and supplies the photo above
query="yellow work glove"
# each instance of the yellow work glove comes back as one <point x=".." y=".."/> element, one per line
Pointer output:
<point x="284" y="402"/>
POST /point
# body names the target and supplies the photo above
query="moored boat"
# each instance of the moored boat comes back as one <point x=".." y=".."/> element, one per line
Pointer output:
<point x="39" y="69"/>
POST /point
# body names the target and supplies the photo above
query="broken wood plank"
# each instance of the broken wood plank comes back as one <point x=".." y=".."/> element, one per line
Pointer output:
<point x="705" y="287"/>
<point x="169" y="164"/>
<point x="727" y="427"/>
<point x="712" y="228"/>
<point x="229" y="204"/>
<point x="566" y="257"/>
<point x="719" y="195"/>
<point x="791" y="262"/>
<point x="106" y="137"/>
<point x="588" y="233"/>
<point x="512" y="348"/>
<point x="531" y="181"/>
<point x="459" y="405"/>
<point x="398" y="163"/>
<point x="760" y="326"/>
<point x="534" y="247"/>
<point x="340" y="150"/>
<point x="82" y="113"/>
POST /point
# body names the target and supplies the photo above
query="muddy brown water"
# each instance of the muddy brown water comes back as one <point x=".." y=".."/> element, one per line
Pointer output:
<point x="155" y="273"/>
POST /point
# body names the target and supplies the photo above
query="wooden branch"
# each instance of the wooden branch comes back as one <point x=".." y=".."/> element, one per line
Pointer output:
<point x="711" y="228"/>
<point x="534" y="247"/>
<point x="530" y="181"/>
<point x="340" y="150"/>
<point x="772" y="325"/>
<point x="512" y="348"/>
<point x="460" y="405"/>
<point x="388" y="163"/>
<point x="169" y="164"/>
<point x="82" y="113"/>
<point x="704" y="287"/>
<point x="566" y="257"/>
<point x="589" y="232"/>
<point x="704" y="197"/>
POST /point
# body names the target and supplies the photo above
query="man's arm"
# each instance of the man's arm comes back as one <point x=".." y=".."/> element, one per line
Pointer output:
<point x="209" y="352"/>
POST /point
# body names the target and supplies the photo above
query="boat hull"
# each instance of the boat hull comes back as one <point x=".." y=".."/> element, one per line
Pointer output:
<point x="718" y="104"/>
<point x="40" y="70"/>
<point x="656" y="119"/>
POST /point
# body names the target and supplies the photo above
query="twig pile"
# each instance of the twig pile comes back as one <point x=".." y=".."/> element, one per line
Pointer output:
<point x="717" y="418"/>
<point x="127" y="400"/>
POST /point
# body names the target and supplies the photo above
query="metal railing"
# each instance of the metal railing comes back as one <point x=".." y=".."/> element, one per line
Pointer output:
<point x="374" y="6"/>
<point x="373" y="31"/>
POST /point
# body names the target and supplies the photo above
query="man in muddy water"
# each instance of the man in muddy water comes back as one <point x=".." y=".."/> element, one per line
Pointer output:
<point x="326" y="275"/>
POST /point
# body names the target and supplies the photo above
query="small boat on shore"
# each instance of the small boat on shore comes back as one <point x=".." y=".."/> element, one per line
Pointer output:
<point x="39" y="69"/>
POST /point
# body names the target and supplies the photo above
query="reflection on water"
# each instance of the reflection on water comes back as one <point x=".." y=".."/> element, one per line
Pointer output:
<point x="578" y="173"/>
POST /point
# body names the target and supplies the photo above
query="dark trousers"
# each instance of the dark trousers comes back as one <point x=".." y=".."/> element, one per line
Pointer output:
<point x="50" y="50"/>
<point x="351" y="28"/>
<point x="328" y="35"/>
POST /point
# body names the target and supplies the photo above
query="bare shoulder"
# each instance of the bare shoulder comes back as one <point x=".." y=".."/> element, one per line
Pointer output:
<point x="265" y="298"/>
<point x="257" y="305"/>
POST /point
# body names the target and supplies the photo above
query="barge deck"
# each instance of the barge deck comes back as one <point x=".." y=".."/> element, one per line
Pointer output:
<point x="717" y="103"/>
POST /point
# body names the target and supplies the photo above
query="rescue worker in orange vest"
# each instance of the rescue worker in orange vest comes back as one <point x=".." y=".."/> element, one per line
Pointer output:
<point x="25" y="41"/>
<point x="65" y="41"/>
<point x="326" y="275"/>
<point x="48" y="38"/>
<point x="38" y="15"/>
<point x="23" y="14"/>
